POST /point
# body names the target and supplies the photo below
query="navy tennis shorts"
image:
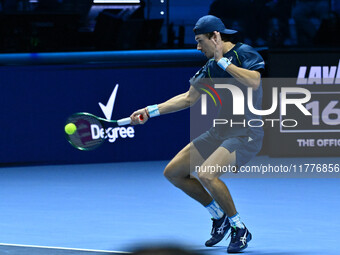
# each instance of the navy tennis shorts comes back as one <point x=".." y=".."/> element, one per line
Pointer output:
<point x="246" y="148"/>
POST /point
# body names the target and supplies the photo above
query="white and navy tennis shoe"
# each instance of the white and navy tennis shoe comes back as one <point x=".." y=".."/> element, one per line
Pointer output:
<point x="219" y="230"/>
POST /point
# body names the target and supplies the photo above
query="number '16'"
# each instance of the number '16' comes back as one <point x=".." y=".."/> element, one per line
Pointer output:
<point x="326" y="113"/>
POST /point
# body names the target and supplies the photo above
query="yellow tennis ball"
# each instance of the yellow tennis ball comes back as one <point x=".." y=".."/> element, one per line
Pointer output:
<point x="70" y="128"/>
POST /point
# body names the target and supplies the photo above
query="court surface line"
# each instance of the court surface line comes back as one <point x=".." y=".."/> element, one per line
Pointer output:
<point x="61" y="248"/>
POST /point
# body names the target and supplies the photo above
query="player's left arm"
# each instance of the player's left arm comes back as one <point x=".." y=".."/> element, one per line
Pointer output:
<point x="250" y="78"/>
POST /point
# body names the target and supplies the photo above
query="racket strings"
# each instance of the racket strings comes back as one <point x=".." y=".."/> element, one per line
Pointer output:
<point x="84" y="138"/>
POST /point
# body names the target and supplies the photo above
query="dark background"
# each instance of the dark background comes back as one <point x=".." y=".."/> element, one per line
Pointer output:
<point x="86" y="25"/>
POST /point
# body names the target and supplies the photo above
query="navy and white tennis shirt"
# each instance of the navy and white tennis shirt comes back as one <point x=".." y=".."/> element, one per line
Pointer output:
<point x="244" y="56"/>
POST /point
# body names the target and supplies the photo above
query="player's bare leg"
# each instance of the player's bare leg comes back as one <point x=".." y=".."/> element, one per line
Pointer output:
<point x="178" y="173"/>
<point x="240" y="236"/>
<point x="217" y="188"/>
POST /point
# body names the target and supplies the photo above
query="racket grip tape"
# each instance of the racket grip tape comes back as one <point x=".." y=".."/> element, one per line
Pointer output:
<point x="123" y="122"/>
<point x="127" y="121"/>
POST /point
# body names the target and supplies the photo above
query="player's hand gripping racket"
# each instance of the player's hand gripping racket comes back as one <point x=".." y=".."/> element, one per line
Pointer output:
<point x="86" y="131"/>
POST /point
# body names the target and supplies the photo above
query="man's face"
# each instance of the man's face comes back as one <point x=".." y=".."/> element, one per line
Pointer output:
<point x="205" y="45"/>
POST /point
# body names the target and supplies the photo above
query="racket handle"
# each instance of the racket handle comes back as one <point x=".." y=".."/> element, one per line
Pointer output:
<point x="123" y="122"/>
<point x="127" y="121"/>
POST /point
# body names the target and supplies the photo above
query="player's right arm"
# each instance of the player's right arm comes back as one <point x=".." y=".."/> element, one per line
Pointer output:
<point x="174" y="104"/>
<point x="179" y="102"/>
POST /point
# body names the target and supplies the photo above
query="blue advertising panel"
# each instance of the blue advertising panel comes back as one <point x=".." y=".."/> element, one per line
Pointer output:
<point x="37" y="99"/>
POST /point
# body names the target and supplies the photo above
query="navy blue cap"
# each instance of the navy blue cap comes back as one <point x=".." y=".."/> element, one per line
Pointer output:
<point x="210" y="23"/>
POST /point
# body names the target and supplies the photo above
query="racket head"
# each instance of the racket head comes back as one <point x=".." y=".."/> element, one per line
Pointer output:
<point x="88" y="133"/>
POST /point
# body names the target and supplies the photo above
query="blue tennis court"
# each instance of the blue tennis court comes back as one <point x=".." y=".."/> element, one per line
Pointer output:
<point x="115" y="207"/>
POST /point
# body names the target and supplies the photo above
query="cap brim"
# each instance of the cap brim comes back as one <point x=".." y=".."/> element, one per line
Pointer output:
<point x="229" y="31"/>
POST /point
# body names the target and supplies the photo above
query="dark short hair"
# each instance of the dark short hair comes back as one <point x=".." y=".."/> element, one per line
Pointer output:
<point x="224" y="37"/>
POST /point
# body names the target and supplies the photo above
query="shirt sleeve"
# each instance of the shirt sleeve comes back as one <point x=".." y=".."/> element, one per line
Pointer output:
<point x="196" y="80"/>
<point x="251" y="59"/>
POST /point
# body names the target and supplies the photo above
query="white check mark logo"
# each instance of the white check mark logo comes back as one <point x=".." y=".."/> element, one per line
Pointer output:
<point x="108" y="108"/>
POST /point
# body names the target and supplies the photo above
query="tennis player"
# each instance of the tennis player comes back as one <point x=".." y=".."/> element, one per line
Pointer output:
<point x="223" y="147"/>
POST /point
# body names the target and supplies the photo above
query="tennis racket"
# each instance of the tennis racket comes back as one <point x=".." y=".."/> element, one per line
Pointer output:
<point x="89" y="130"/>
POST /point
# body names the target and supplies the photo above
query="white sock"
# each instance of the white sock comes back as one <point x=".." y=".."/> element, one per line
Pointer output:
<point x="215" y="210"/>
<point x="235" y="221"/>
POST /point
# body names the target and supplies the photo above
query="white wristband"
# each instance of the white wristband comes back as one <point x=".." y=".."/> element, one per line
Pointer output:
<point x="224" y="63"/>
<point x="153" y="111"/>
